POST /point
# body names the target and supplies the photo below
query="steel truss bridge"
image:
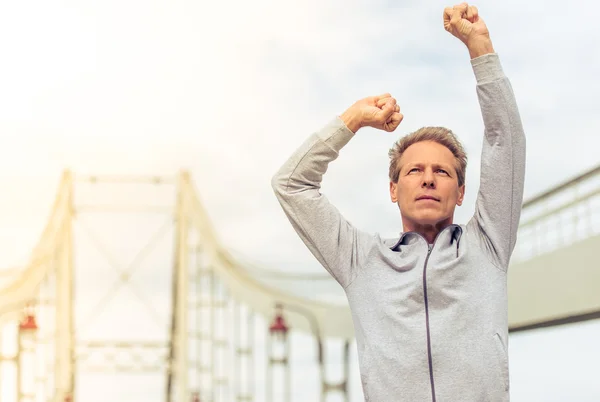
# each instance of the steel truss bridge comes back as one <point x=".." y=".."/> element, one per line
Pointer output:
<point x="230" y="323"/>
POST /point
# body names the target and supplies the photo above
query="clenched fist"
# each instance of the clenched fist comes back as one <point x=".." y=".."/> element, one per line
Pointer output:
<point x="381" y="112"/>
<point x="463" y="21"/>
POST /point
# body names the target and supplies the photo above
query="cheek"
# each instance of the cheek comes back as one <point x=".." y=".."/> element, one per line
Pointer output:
<point x="403" y="191"/>
<point x="452" y="194"/>
<point x="406" y="193"/>
<point x="407" y="187"/>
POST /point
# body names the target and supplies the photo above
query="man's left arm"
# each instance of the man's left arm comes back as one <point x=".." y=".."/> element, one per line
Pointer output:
<point x="500" y="196"/>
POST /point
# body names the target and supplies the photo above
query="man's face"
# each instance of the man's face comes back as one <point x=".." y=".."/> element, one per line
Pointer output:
<point x="427" y="190"/>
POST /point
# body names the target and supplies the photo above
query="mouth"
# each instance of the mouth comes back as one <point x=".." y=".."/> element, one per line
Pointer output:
<point x="427" y="197"/>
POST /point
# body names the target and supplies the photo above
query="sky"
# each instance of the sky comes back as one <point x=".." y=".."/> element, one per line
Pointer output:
<point x="228" y="90"/>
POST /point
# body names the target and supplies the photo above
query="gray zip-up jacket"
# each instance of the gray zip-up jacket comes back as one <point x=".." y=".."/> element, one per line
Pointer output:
<point x="430" y="323"/>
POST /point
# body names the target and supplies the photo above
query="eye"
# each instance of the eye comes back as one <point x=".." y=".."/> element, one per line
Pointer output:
<point x="413" y="170"/>
<point x="442" y="170"/>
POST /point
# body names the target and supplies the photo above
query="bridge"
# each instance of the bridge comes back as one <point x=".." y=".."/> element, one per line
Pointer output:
<point x="228" y="325"/>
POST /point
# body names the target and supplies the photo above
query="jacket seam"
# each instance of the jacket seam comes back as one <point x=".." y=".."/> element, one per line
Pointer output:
<point x="497" y="265"/>
<point x="512" y="181"/>
<point x="512" y="177"/>
<point x="364" y="268"/>
<point x="488" y="255"/>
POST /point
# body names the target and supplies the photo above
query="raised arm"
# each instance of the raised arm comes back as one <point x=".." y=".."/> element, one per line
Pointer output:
<point x="335" y="242"/>
<point x="500" y="197"/>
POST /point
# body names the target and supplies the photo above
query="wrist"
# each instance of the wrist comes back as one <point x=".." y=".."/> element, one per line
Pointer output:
<point x="480" y="47"/>
<point x="352" y="119"/>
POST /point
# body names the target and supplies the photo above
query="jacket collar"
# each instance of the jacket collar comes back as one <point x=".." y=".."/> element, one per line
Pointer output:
<point x="410" y="237"/>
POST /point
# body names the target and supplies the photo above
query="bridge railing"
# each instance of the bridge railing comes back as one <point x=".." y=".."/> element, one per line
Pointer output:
<point x="563" y="215"/>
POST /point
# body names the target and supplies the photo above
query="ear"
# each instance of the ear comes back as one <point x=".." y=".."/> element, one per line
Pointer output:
<point x="461" y="195"/>
<point x="393" y="187"/>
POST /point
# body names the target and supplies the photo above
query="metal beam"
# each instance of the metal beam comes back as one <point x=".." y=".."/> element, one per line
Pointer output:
<point x="562" y="187"/>
<point x="557" y="322"/>
<point x="182" y="290"/>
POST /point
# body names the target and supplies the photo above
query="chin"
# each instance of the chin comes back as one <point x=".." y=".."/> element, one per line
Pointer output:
<point x="427" y="218"/>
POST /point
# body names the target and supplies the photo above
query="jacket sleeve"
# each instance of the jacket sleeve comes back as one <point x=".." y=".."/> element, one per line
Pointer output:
<point x="500" y="196"/>
<point x="334" y="241"/>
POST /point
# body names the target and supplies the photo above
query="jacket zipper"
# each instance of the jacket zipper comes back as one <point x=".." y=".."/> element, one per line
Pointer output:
<point x="429" y="247"/>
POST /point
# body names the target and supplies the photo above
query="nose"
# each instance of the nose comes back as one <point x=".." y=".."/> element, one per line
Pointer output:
<point x="428" y="180"/>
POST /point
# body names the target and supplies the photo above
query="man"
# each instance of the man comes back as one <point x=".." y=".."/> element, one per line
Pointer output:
<point x="430" y="307"/>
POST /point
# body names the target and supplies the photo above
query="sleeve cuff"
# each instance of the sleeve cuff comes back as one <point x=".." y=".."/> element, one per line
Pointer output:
<point x="336" y="134"/>
<point x="487" y="68"/>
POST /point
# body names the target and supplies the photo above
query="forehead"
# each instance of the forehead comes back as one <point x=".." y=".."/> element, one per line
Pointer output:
<point x="427" y="152"/>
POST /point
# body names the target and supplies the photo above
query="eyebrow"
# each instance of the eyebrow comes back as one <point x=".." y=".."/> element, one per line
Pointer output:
<point x="434" y="165"/>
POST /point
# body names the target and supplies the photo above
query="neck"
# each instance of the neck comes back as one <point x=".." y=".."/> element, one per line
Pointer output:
<point x="428" y="231"/>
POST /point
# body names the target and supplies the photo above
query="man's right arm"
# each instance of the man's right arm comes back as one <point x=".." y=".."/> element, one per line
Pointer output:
<point x="335" y="242"/>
